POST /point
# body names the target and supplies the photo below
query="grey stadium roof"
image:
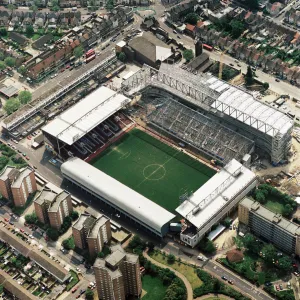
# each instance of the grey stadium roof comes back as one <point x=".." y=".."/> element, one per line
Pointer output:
<point x="118" y="194"/>
<point x="74" y="123"/>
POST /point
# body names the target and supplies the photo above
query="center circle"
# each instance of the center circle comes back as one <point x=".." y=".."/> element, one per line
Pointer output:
<point x="154" y="172"/>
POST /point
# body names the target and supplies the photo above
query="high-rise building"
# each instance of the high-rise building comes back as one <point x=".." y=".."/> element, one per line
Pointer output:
<point x="17" y="185"/>
<point x="92" y="231"/>
<point x="118" y="275"/>
<point x="52" y="208"/>
<point x="270" y="226"/>
<point x="99" y="235"/>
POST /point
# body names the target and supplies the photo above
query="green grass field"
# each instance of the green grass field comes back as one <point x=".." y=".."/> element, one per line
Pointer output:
<point x="154" y="288"/>
<point x="275" y="207"/>
<point x="152" y="168"/>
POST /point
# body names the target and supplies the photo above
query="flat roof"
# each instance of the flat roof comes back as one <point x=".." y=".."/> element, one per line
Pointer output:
<point x="57" y="200"/>
<point x="216" y="193"/>
<point x="117" y="193"/>
<point x="45" y="195"/>
<point x="81" y="118"/>
<point x="96" y="227"/>
<point x="9" y="91"/>
<point x="84" y="219"/>
<point x="22" y="175"/>
<point x="270" y="216"/>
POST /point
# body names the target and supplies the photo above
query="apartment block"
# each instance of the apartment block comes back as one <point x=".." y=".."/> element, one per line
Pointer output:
<point x="17" y="185"/>
<point x="262" y="222"/>
<point x="118" y="275"/>
<point x="99" y="235"/>
<point x="92" y="230"/>
<point x="52" y="208"/>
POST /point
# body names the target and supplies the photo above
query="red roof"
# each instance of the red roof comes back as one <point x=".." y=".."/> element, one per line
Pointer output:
<point x="190" y="27"/>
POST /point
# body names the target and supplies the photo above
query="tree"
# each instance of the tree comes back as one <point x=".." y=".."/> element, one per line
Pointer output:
<point x="227" y="222"/>
<point x="78" y="51"/>
<point x="34" y="8"/>
<point x="1" y="288"/>
<point x="52" y="234"/>
<point x="74" y="215"/>
<point x="122" y="57"/>
<point x="25" y="97"/>
<point x="55" y="8"/>
<point x="188" y="54"/>
<point x="29" y="30"/>
<point x="237" y="28"/>
<point x="251" y="243"/>
<point x="151" y="246"/>
<point x="285" y="264"/>
<point x="209" y="247"/>
<point x="249" y="76"/>
<point x="260" y="196"/>
<point x="31" y="218"/>
<point x="22" y="70"/>
<point x="69" y="243"/>
<point x="3" y="32"/>
<point x="269" y="254"/>
<point x="254" y="4"/>
<point x="10" y="61"/>
<point x="171" y="258"/>
<point x="287" y="210"/>
<point x="266" y="85"/>
<point x="11" y="105"/>
<point x="191" y="18"/>
<point x="2" y="65"/>
<point x="89" y="294"/>
<point x="11" y="7"/>
<point x="101" y="254"/>
<point x="261" y="278"/>
<point x="109" y="4"/>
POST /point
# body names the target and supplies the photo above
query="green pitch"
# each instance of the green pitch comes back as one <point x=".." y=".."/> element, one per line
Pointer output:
<point x="152" y="168"/>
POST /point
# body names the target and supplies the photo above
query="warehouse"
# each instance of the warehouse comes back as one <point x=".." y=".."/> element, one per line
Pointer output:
<point x="131" y="204"/>
<point x="214" y="200"/>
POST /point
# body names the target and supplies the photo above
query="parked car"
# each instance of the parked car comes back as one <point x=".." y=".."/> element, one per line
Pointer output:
<point x="6" y="220"/>
<point x="230" y="281"/>
<point x="75" y="289"/>
<point x="224" y="278"/>
<point x="277" y="80"/>
<point x="22" y="230"/>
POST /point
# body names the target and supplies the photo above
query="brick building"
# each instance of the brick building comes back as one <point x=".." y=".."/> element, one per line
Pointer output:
<point x="17" y="185"/>
<point x="118" y="275"/>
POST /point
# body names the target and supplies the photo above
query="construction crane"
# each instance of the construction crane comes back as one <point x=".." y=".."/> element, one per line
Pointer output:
<point x="225" y="51"/>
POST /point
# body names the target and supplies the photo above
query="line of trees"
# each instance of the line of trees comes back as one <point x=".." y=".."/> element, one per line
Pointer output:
<point x="14" y="104"/>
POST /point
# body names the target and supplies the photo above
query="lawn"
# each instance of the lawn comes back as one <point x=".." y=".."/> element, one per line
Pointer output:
<point x="35" y="36"/>
<point x="275" y="207"/>
<point x="152" y="168"/>
<point x="188" y="271"/>
<point x="154" y="288"/>
<point x="74" y="280"/>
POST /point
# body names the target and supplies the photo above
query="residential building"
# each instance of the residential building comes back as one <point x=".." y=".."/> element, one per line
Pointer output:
<point x="52" y="208"/>
<point x="263" y="223"/>
<point x="17" y="185"/>
<point x="92" y="231"/>
<point x="118" y="275"/>
<point x="99" y="235"/>
<point x="48" y="264"/>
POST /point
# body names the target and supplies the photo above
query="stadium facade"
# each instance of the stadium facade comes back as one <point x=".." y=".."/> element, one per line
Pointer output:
<point x="214" y="200"/>
<point x="152" y="217"/>
<point x="87" y="125"/>
<point x="231" y="106"/>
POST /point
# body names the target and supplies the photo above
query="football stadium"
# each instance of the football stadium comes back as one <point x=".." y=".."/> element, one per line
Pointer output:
<point x="150" y="167"/>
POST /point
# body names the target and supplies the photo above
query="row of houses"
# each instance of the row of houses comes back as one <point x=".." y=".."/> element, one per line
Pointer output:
<point x="97" y="30"/>
<point x="39" y="19"/>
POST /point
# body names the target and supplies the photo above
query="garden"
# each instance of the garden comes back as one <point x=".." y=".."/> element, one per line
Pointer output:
<point x="262" y="263"/>
<point x="275" y="200"/>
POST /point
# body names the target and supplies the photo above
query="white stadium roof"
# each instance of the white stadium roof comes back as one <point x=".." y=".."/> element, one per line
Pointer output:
<point x="74" y="123"/>
<point x="245" y="108"/>
<point x="217" y="192"/>
<point x="117" y="193"/>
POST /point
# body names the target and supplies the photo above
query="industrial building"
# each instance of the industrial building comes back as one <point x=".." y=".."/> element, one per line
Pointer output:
<point x="234" y="108"/>
<point x="87" y="125"/>
<point x="263" y="223"/>
<point x="52" y="208"/>
<point x="131" y="204"/>
<point x="214" y="200"/>
<point x="17" y="185"/>
<point x="118" y="276"/>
